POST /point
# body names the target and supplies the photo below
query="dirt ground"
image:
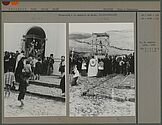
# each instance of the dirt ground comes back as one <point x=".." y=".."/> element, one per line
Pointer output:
<point x="33" y="106"/>
<point x="113" y="95"/>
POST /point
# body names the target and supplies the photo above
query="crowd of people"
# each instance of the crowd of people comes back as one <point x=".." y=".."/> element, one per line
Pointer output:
<point x="99" y="67"/>
<point x="21" y="69"/>
<point x="11" y="60"/>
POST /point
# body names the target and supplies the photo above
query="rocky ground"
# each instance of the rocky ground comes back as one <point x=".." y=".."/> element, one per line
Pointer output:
<point x="113" y="95"/>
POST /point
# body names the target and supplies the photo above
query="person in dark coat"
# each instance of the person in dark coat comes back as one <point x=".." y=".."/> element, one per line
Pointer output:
<point x="113" y="65"/>
<point x="6" y="61"/>
<point x="19" y="68"/>
<point x="21" y="78"/>
<point x="79" y="64"/>
<point x="110" y="65"/>
<point x="13" y="62"/>
<point x="62" y="66"/>
<point x="106" y="65"/>
<point x="62" y="85"/>
<point x="50" y="64"/>
<point x="38" y="69"/>
<point x="132" y="63"/>
<point x="45" y="66"/>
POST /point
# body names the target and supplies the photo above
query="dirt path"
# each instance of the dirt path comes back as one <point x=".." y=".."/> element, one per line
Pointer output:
<point x="96" y="103"/>
<point x="34" y="106"/>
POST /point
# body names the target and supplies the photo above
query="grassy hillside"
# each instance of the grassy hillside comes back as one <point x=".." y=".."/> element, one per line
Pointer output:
<point x="124" y="39"/>
<point x="79" y="35"/>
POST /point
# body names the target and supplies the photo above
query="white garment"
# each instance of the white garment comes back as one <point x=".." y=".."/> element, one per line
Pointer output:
<point x="27" y="68"/>
<point x="101" y="66"/>
<point x="34" y="62"/>
<point x="93" y="67"/>
<point x="121" y="63"/>
<point x="84" y="66"/>
<point x="76" y="73"/>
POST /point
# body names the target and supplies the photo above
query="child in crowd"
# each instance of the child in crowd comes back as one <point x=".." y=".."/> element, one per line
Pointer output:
<point x="9" y="79"/>
<point x="75" y="76"/>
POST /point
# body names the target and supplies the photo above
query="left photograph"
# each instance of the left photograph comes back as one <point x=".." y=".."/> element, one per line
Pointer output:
<point x="34" y="69"/>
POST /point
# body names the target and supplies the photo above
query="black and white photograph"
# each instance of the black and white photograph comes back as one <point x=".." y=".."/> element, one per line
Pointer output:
<point x="34" y="69"/>
<point x="102" y="69"/>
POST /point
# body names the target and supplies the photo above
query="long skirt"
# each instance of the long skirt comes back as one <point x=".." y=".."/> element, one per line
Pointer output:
<point x="84" y="72"/>
<point x="100" y="73"/>
<point x="49" y="70"/>
<point x="62" y="84"/>
<point x="17" y="77"/>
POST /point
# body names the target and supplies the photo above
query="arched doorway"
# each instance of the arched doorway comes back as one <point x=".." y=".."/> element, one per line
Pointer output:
<point x="34" y="42"/>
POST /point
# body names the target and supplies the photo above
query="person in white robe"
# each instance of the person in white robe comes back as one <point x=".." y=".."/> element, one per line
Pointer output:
<point x="93" y="66"/>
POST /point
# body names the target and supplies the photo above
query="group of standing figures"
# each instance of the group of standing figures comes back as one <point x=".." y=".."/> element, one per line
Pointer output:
<point x="10" y="60"/>
<point x="95" y="66"/>
<point x="23" y="70"/>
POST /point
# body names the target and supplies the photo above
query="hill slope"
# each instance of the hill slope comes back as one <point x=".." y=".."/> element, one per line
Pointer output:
<point x="123" y="39"/>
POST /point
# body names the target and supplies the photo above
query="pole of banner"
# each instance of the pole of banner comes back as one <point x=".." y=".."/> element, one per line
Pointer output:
<point x="72" y="56"/>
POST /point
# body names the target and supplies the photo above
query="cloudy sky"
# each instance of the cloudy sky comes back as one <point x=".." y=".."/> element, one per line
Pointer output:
<point x="55" y="34"/>
<point x="99" y="27"/>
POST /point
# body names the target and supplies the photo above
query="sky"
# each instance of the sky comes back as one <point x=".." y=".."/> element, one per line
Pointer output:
<point x="99" y="27"/>
<point x="55" y="34"/>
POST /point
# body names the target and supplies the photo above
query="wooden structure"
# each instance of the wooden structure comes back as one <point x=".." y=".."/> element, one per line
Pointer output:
<point x="100" y="43"/>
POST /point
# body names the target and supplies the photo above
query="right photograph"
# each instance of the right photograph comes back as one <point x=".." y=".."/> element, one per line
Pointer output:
<point x="102" y="69"/>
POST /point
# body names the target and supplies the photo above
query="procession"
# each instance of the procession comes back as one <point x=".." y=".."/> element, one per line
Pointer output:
<point x="99" y="67"/>
<point x="34" y="74"/>
<point x="101" y="70"/>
